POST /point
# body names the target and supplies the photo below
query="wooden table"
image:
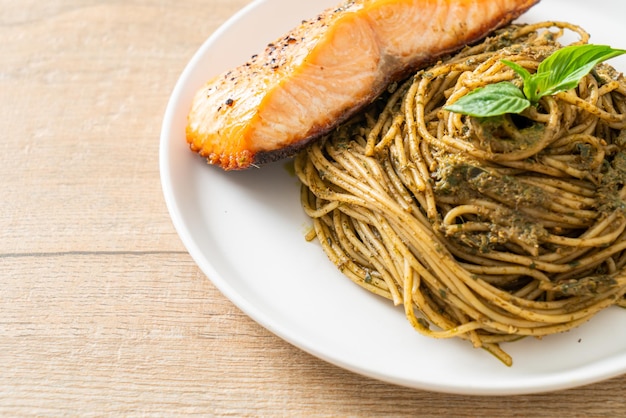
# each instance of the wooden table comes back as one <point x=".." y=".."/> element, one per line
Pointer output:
<point x="103" y="312"/>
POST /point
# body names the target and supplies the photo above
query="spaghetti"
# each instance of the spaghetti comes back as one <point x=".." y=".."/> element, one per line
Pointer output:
<point x="484" y="229"/>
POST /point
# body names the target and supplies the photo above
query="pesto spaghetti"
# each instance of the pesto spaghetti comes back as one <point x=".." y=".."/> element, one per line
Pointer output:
<point x="487" y="229"/>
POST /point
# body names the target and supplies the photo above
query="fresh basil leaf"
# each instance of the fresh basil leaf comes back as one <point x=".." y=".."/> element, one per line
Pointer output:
<point x="534" y="87"/>
<point x="529" y="84"/>
<point x="521" y="71"/>
<point x="561" y="71"/>
<point x="564" y="69"/>
<point x="491" y="100"/>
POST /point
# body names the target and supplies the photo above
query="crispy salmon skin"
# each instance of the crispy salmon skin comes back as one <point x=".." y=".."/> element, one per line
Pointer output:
<point x="323" y="71"/>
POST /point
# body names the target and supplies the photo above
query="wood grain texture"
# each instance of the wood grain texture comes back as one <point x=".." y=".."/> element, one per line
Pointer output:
<point x="103" y="311"/>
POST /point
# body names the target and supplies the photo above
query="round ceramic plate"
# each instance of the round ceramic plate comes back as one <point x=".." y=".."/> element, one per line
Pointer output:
<point x="245" y="230"/>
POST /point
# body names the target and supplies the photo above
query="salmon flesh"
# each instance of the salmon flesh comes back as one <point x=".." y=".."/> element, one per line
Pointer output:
<point x="328" y="68"/>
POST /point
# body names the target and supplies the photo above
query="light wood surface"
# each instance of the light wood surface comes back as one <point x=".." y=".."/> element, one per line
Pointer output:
<point x="103" y="312"/>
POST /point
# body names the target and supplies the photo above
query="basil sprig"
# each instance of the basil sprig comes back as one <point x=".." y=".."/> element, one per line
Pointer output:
<point x="561" y="71"/>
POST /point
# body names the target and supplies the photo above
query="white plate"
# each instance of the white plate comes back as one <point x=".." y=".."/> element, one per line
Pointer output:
<point x="245" y="230"/>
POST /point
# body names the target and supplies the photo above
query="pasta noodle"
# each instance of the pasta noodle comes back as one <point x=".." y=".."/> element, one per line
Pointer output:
<point x="488" y="230"/>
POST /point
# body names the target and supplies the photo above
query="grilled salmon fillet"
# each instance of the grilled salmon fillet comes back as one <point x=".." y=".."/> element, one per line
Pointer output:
<point x="323" y="71"/>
